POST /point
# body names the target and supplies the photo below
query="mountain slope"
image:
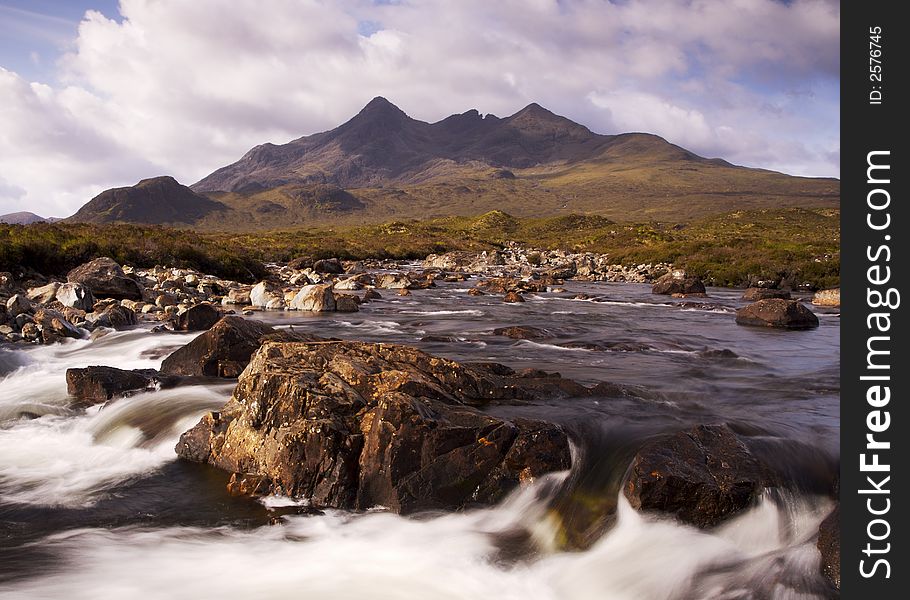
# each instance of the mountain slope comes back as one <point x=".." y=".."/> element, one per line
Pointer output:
<point x="382" y="165"/>
<point x="156" y="201"/>
<point x="25" y="218"/>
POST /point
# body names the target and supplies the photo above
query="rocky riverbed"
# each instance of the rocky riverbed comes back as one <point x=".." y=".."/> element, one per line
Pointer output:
<point x="545" y="413"/>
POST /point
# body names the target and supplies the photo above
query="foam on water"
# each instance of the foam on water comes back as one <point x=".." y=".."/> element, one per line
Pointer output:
<point x="385" y="556"/>
<point x="72" y="460"/>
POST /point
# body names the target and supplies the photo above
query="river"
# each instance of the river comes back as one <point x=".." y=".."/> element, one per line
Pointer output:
<point x="95" y="505"/>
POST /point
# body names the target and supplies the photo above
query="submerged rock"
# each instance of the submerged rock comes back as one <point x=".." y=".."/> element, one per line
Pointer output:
<point x="702" y="476"/>
<point x="513" y="297"/>
<point x="356" y="425"/>
<point x="522" y="332"/>
<point x="106" y="279"/>
<point x="776" y="312"/>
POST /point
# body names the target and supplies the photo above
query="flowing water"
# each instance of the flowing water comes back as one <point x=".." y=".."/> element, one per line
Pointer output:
<point x="94" y="504"/>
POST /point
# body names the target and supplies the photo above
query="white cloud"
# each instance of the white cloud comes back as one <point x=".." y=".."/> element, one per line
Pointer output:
<point x="185" y="87"/>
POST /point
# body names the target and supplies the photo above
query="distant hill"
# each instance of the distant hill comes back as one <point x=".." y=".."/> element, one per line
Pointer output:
<point x="384" y="165"/>
<point x="25" y="218"/>
<point x="160" y="200"/>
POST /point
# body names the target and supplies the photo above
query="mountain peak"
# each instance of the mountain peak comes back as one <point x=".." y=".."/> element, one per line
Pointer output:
<point x="380" y="105"/>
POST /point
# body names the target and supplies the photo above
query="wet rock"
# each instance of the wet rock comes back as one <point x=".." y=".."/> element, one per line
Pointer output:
<point x="75" y="295"/>
<point x="702" y="476"/>
<point x="248" y="484"/>
<point x="476" y="292"/>
<point x="265" y="292"/>
<point x="54" y="326"/>
<point x="827" y="297"/>
<point x="106" y="279"/>
<point x="522" y="332"/>
<point x="199" y="317"/>
<point x="315" y="298"/>
<point x="44" y="294"/>
<point x="239" y="296"/>
<point x="96" y="384"/>
<point x="754" y="294"/>
<point x="371" y="295"/>
<point x="225" y="349"/>
<point x="346" y="303"/>
<point x="165" y="300"/>
<point x="677" y="282"/>
<point x="513" y="297"/>
<point x="829" y="547"/>
<point x="392" y="281"/>
<point x="18" y="305"/>
<point x="404" y="292"/>
<point x="776" y="312"/>
<point x="113" y="316"/>
<point x="329" y="265"/>
<point x="355" y="425"/>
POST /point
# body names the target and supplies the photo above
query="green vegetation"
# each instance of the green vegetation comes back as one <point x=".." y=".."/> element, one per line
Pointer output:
<point x="797" y="244"/>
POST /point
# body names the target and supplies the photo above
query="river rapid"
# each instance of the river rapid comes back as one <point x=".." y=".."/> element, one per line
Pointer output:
<point x="94" y="503"/>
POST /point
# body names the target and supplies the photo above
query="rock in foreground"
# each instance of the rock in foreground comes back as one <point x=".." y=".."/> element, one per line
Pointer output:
<point x="702" y="476"/>
<point x="776" y="312"/>
<point x="829" y="547"/>
<point x="100" y="384"/>
<point x="356" y="425"/>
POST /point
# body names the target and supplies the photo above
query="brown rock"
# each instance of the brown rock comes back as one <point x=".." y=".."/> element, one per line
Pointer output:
<point x="476" y="292"/>
<point x="827" y="297"/>
<point x="355" y="425"/>
<point x="522" y="332"/>
<point x="54" y="326"/>
<point x="754" y="294"/>
<point x="678" y="283"/>
<point x="199" y="317"/>
<point x="404" y="292"/>
<point x="513" y="297"/>
<point x="225" y="349"/>
<point x="776" y="312"/>
<point x="371" y="295"/>
<point x="98" y="384"/>
<point x="702" y="476"/>
<point x="105" y="279"/>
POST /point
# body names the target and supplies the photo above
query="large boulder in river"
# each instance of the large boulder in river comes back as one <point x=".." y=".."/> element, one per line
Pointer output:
<point x="225" y="349"/>
<point x="356" y="425"/>
<point x="777" y="312"/>
<point x="702" y="476"/>
<point x="198" y="317"/>
<point x="677" y="282"/>
<point x="106" y="279"/>
<point x="96" y="384"/>
<point x="753" y="294"/>
<point x="266" y="294"/>
<point x="827" y="297"/>
<point x="315" y="298"/>
<point x="114" y="316"/>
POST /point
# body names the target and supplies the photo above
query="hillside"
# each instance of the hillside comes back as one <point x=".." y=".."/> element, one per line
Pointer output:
<point x="25" y="218"/>
<point x="156" y="201"/>
<point x="383" y="165"/>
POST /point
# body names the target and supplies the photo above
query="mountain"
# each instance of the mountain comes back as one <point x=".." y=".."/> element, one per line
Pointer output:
<point x="156" y="201"/>
<point x="383" y="165"/>
<point x="25" y="218"/>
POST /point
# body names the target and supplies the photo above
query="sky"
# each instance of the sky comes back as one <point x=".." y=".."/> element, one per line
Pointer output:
<point x="99" y="93"/>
